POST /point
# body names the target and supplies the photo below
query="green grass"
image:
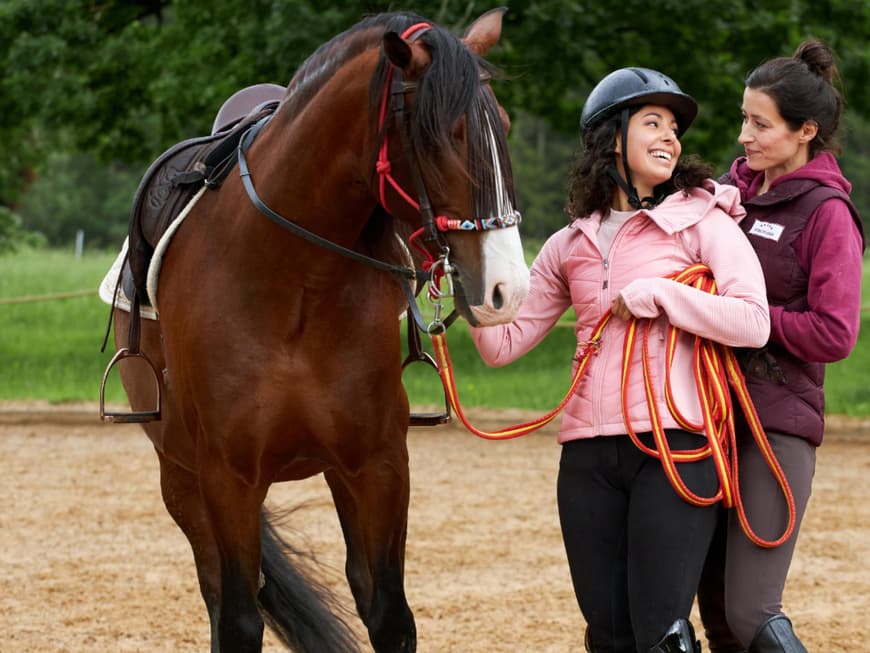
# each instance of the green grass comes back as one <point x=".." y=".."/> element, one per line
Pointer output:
<point x="847" y="382"/>
<point x="51" y="349"/>
<point x="538" y="381"/>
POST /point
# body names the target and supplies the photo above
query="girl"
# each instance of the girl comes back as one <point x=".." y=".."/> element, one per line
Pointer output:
<point x="637" y="215"/>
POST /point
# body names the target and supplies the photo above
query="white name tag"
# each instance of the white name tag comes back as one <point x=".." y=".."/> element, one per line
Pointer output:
<point x="769" y="230"/>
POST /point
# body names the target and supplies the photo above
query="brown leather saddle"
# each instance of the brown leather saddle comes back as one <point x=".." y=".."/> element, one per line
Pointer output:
<point x="179" y="173"/>
<point x="168" y="185"/>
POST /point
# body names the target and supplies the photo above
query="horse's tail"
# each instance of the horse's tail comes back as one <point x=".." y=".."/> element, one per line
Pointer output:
<point x="298" y="609"/>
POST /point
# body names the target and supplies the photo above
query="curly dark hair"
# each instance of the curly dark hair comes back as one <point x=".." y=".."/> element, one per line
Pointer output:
<point x="590" y="186"/>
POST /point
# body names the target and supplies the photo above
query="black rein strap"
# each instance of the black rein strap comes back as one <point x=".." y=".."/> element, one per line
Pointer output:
<point x="405" y="274"/>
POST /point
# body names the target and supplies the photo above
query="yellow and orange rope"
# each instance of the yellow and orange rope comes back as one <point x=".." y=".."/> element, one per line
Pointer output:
<point x="715" y="368"/>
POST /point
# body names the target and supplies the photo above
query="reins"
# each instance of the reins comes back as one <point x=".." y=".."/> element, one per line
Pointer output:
<point x="715" y="369"/>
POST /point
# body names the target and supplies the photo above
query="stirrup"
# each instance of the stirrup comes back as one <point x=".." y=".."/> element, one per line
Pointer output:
<point x="132" y="416"/>
<point x="428" y="419"/>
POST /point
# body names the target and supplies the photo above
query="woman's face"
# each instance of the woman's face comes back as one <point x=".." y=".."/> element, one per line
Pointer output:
<point x="771" y="145"/>
<point x="653" y="148"/>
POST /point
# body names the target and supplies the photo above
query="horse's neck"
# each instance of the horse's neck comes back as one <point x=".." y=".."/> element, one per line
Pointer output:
<point x="315" y="168"/>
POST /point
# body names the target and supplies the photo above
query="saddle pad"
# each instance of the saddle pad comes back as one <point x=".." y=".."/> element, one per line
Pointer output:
<point x="112" y="292"/>
<point x="160" y="249"/>
<point x="110" y="283"/>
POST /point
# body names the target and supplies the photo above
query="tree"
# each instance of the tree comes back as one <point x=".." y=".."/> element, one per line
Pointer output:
<point x="123" y="81"/>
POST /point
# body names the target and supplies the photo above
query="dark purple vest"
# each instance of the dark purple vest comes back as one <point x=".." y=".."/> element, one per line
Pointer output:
<point x="787" y="391"/>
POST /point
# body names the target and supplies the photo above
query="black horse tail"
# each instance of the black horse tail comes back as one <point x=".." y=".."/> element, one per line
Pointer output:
<point x="302" y="612"/>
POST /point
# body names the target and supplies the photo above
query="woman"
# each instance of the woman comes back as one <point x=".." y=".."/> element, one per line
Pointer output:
<point x="637" y="215"/>
<point x="809" y="240"/>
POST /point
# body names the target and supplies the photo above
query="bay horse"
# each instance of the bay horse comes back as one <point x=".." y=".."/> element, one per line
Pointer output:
<point x="279" y="358"/>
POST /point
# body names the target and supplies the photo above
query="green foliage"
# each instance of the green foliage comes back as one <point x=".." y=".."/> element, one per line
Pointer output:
<point x="12" y="234"/>
<point x="855" y="162"/>
<point x="10" y="230"/>
<point x="75" y="192"/>
<point x="557" y="51"/>
<point x="541" y="158"/>
<point x="124" y="81"/>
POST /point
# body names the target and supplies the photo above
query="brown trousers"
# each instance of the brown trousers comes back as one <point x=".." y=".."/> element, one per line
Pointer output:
<point x="742" y="583"/>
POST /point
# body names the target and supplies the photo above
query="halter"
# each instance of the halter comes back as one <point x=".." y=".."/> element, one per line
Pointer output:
<point x="395" y="89"/>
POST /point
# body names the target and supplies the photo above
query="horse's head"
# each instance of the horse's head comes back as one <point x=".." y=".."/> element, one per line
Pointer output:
<point x="444" y="165"/>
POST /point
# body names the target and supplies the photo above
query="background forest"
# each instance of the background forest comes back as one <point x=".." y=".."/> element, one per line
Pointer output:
<point x="92" y="91"/>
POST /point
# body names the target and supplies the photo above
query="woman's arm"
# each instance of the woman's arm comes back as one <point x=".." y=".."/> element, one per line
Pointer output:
<point x="738" y="316"/>
<point x="830" y="250"/>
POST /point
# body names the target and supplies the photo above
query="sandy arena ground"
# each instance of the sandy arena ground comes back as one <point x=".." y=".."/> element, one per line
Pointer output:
<point x="92" y="563"/>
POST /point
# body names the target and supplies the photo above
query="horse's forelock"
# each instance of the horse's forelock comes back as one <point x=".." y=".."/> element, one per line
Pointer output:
<point x="449" y="89"/>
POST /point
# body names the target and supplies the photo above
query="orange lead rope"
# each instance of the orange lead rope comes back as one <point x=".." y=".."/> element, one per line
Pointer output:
<point x="715" y="368"/>
<point x="445" y="371"/>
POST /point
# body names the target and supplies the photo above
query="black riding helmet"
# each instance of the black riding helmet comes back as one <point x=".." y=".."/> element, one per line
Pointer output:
<point x="634" y="86"/>
<point x="631" y="87"/>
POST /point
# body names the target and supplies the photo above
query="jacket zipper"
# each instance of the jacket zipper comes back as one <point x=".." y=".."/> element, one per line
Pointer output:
<point x="599" y="378"/>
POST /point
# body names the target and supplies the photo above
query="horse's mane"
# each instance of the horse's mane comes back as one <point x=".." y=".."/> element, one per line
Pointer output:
<point x="449" y="89"/>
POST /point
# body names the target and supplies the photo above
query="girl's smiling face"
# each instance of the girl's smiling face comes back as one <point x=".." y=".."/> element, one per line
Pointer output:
<point x="653" y="149"/>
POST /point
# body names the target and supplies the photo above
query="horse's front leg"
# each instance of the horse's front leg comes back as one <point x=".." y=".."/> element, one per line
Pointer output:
<point x="183" y="500"/>
<point x="233" y="507"/>
<point x="372" y="505"/>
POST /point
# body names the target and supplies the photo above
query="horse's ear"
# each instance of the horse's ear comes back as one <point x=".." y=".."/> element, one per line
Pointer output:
<point x="484" y="33"/>
<point x="397" y="50"/>
<point x="411" y="57"/>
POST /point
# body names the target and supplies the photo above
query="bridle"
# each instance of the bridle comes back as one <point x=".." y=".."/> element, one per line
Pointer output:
<point x="435" y="267"/>
<point x="395" y="89"/>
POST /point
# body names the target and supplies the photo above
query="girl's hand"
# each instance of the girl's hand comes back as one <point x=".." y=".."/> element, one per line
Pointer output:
<point x="620" y="310"/>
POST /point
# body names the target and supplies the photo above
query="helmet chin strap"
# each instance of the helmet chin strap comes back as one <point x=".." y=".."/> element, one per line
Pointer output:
<point x="626" y="184"/>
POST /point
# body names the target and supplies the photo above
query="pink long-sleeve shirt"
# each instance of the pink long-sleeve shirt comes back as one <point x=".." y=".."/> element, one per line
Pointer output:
<point x="570" y="271"/>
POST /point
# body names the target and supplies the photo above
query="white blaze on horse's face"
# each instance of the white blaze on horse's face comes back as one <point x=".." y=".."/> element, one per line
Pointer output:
<point x="506" y="277"/>
<point x="505" y="274"/>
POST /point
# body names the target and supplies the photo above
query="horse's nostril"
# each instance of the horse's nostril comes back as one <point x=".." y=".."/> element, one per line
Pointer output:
<point x="497" y="298"/>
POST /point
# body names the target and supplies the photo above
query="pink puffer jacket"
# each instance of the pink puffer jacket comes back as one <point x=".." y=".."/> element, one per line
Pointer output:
<point x="700" y="227"/>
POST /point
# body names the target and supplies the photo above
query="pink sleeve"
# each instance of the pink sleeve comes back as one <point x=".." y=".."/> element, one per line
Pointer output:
<point x="830" y="250"/>
<point x="738" y="316"/>
<point x="548" y="298"/>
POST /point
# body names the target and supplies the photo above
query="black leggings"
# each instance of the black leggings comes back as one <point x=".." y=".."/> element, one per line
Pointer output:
<point x="635" y="548"/>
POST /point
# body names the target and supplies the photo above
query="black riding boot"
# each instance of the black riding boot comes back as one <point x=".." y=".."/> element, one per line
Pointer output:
<point x="679" y="638"/>
<point x="776" y="636"/>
